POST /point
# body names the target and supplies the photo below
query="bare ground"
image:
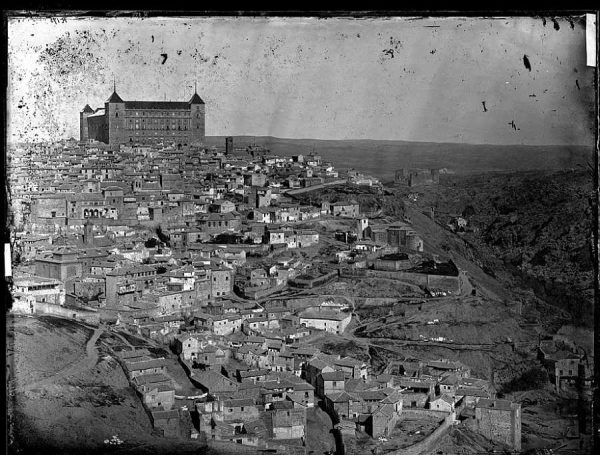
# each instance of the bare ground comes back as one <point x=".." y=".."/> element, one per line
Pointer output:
<point x="82" y="396"/>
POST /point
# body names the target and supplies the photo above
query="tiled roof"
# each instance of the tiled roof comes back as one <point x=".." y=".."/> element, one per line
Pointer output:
<point x="333" y="376"/>
<point x="134" y="353"/>
<point x="238" y="402"/>
<point x="371" y="394"/>
<point x="151" y="379"/>
<point x="448" y="399"/>
<point x="339" y="397"/>
<point x="349" y="362"/>
<point x="166" y="105"/>
<point x="213" y="381"/>
<point x="471" y="392"/>
<point x="145" y="364"/>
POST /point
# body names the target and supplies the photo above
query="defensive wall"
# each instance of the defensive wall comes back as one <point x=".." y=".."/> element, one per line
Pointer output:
<point x="444" y="282"/>
<point x="309" y="283"/>
<point x="89" y="316"/>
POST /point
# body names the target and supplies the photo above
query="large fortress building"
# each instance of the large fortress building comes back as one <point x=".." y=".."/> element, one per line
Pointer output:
<point x="144" y="122"/>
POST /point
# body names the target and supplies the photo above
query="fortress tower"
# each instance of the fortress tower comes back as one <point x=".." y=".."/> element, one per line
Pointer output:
<point x="83" y="123"/>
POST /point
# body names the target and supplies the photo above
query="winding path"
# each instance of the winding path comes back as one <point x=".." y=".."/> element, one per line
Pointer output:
<point x="86" y="363"/>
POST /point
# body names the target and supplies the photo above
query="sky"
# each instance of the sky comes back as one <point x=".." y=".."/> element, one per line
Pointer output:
<point x="412" y="79"/>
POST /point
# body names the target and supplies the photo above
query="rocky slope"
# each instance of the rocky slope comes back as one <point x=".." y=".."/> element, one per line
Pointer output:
<point x="532" y="230"/>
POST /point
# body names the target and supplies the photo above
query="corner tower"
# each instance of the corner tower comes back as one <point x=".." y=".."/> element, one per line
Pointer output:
<point x="114" y="112"/>
<point x="83" y="123"/>
<point x="197" y="113"/>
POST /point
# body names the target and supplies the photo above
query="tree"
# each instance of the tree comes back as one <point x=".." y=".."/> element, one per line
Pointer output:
<point x="162" y="236"/>
<point x="151" y="243"/>
<point x="534" y="378"/>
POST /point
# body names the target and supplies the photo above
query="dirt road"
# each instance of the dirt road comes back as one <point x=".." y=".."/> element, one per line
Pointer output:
<point x="85" y="363"/>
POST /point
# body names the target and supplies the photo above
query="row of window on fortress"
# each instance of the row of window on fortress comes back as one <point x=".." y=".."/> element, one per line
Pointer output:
<point x="159" y="114"/>
<point x="156" y="126"/>
<point x="185" y="114"/>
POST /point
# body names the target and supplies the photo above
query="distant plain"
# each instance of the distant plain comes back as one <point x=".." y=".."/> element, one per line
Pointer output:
<point x="382" y="158"/>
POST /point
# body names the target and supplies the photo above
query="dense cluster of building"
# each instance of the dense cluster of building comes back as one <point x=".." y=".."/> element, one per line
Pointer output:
<point x="140" y="225"/>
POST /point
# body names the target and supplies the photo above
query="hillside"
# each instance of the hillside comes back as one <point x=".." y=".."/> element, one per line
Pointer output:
<point x="382" y="158"/>
<point x="530" y="265"/>
<point x="512" y="303"/>
<point x="530" y="230"/>
<point x="67" y="395"/>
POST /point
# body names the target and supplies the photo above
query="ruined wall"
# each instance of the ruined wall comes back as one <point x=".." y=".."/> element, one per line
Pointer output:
<point x="499" y="425"/>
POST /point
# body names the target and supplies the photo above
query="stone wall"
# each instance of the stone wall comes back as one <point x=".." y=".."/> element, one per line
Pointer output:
<point x="310" y="283"/>
<point x="499" y="425"/>
<point x="89" y="316"/>
<point x="444" y="282"/>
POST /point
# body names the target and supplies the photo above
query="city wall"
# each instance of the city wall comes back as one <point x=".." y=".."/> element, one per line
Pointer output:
<point x="90" y="316"/>
<point x="445" y="282"/>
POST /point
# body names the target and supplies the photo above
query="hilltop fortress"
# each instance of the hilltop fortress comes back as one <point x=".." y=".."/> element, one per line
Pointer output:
<point x="145" y="122"/>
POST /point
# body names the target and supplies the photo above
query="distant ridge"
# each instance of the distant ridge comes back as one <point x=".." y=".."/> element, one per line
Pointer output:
<point x="382" y="157"/>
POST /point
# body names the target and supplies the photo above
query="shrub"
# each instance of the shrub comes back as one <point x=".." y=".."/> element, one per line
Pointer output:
<point x="534" y="378"/>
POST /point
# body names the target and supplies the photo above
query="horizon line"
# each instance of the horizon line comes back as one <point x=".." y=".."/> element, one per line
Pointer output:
<point x="11" y="142"/>
<point x="402" y="140"/>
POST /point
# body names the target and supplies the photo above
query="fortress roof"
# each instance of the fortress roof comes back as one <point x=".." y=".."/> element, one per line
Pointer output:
<point x="156" y="105"/>
<point x="166" y="105"/>
<point x="97" y="113"/>
<point x="196" y="99"/>
<point x="114" y="98"/>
